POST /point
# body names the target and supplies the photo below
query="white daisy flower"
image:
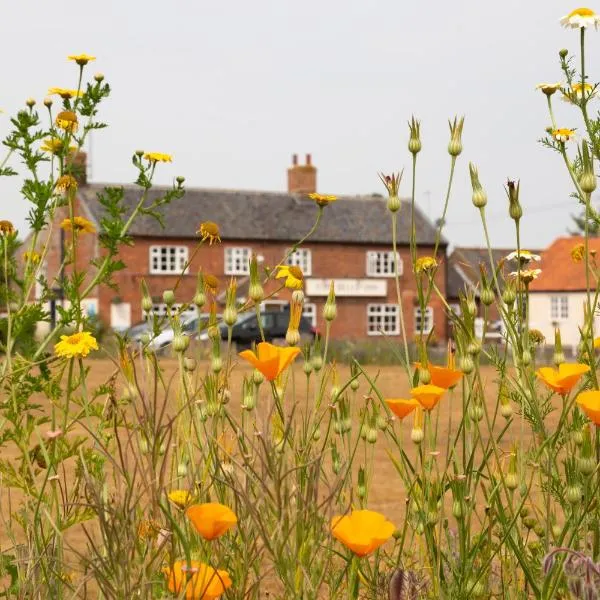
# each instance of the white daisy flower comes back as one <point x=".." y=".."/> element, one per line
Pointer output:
<point x="581" y="18"/>
<point x="577" y="92"/>
<point x="525" y="255"/>
<point x="563" y="135"/>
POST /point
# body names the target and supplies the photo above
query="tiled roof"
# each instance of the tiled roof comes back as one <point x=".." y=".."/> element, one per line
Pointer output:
<point x="559" y="272"/>
<point x="245" y="215"/>
<point x="463" y="267"/>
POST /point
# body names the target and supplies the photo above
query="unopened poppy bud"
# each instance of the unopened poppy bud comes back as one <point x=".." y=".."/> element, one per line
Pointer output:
<point x="317" y="362"/>
<point x="514" y="206"/>
<point x="307" y="367"/>
<point x="257" y="377"/>
<point x="292" y="337"/>
<point x="256" y="291"/>
<point x="475" y="412"/>
<point x="354" y="385"/>
<point x="487" y="296"/>
<point x="587" y="180"/>
<point x="181" y="342"/>
<point x="230" y="313"/>
<point x="382" y="422"/>
<point x="457" y="510"/>
<point x="573" y="494"/>
<point x="182" y="469"/>
<point x="479" y="197"/>
<point x="316" y="435"/>
<point x="455" y="144"/>
<point x="526" y="358"/>
<point x="146" y="298"/>
<point x="474" y="348"/>
<point x="417" y="434"/>
<point x="586" y="466"/>
<point x="414" y="142"/>
<point x="424" y="376"/>
<point x="509" y="295"/>
<point x="466" y="364"/>
<point x="144" y="446"/>
<point x="216" y="364"/>
<point x="371" y="435"/>
<point x="330" y="309"/>
<point x="169" y="297"/>
<point x="189" y="364"/>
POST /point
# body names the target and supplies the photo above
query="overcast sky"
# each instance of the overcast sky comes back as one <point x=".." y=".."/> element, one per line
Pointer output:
<point x="231" y="89"/>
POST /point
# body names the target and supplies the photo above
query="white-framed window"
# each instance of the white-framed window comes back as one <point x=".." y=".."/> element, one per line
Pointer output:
<point x="301" y="258"/>
<point x="237" y="261"/>
<point x="381" y="264"/>
<point x="168" y="259"/>
<point x="160" y="310"/>
<point x="423" y="320"/>
<point x="559" y="308"/>
<point x="310" y="312"/>
<point x="383" y="318"/>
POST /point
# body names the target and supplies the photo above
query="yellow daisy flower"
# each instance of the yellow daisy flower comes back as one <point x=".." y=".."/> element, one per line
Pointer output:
<point x="158" y="157"/>
<point x="55" y="145"/>
<point x="81" y="59"/>
<point x="294" y="277"/>
<point x="577" y="253"/>
<point x="6" y="228"/>
<point x="33" y="257"/>
<point x="82" y="225"/>
<point x="76" y="345"/>
<point x="211" y="284"/>
<point x="322" y="199"/>
<point x="563" y="135"/>
<point x="527" y="275"/>
<point x="581" y="18"/>
<point x="209" y="231"/>
<point x="66" y="183"/>
<point x="180" y="498"/>
<point x="64" y="93"/>
<point x="425" y="263"/>
<point x="577" y="92"/>
<point x="548" y="88"/>
<point x="67" y="120"/>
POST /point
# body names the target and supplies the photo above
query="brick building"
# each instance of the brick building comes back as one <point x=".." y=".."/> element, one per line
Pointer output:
<point x="352" y="245"/>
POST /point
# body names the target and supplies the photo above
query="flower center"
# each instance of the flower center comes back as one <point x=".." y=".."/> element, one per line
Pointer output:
<point x="296" y="272"/>
<point x="74" y="339"/>
<point x="210" y="228"/>
<point x="582" y="12"/>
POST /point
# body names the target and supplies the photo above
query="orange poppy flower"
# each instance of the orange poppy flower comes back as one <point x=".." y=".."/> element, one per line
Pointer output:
<point x="563" y="379"/>
<point x="362" y="531"/>
<point x="270" y="360"/>
<point x="211" y="520"/>
<point x="400" y="407"/>
<point x="427" y="395"/>
<point x="444" y="377"/>
<point x="589" y="402"/>
<point x="197" y="579"/>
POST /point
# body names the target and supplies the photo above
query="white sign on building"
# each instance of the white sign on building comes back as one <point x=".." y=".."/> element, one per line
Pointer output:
<point x="347" y="287"/>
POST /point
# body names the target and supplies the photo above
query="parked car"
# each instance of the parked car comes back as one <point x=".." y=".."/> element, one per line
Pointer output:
<point x="189" y="326"/>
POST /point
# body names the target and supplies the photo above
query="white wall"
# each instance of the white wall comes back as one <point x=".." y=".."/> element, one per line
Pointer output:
<point x="539" y="317"/>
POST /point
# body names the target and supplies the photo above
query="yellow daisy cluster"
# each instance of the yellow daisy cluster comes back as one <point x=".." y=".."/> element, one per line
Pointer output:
<point x="425" y="263"/>
<point x="158" y="157"/>
<point x="79" y="224"/>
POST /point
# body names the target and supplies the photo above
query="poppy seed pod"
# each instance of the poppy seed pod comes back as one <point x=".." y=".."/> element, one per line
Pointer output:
<point x="169" y="297"/>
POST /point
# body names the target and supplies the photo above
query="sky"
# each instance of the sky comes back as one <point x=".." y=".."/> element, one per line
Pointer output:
<point x="232" y="89"/>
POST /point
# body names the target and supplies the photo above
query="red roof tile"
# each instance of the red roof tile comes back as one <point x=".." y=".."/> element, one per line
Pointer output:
<point x="559" y="272"/>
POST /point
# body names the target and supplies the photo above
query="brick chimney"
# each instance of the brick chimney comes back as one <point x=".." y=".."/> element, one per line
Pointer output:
<point x="302" y="179"/>
<point x="78" y="163"/>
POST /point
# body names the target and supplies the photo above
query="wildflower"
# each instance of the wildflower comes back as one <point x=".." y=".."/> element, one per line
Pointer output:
<point x="66" y="183"/>
<point x="81" y="59"/>
<point x="589" y="402"/>
<point x="211" y="284"/>
<point x="292" y="335"/>
<point x="180" y="498"/>
<point x="563" y="135"/>
<point x="67" y="120"/>
<point x="76" y="345"/>
<point x="270" y="360"/>
<point x="55" y="145"/>
<point x="425" y="263"/>
<point x="211" y="520"/>
<point x="427" y="395"/>
<point x="148" y="529"/>
<point x="362" y="531"/>
<point x="400" y="407"/>
<point x="414" y="141"/>
<point x="255" y="291"/>
<point x="32" y="256"/>
<point x="563" y="379"/>
<point x="479" y="197"/>
<point x="455" y="144"/>
<point x="294" y="277"/>
<point x="527" y="275"/>
<point x="524" y="256"/>
<point x="443" y="377"/>
<point x="392" y="185"/>
<point x="330" y="308"/>
<point x="322" y="199"/>
<point x="230" y="313"/>
<point x="79" y="224"/>
<point x="209" y="231"/>
<point x="416" y="433"/>
<point x="580" y="18"/>
<point x="64" y="93"/>
<point x="548" y="88"/>
<point x="536" y="337"/>
<point x="198" y="580"/>
<point x="155" y="157"/>
<point x="577" y="253"/>
<point x="6" y="228"/>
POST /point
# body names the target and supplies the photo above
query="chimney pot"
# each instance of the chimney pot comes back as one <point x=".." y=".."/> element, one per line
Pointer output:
<point x="308" y="159"/>
<point x="302" y="179"/>
<point x="294" y="159"/>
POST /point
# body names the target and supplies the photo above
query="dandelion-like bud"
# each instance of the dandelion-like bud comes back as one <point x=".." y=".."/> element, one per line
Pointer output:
<point x="514" y="206"/>
<point x="30" y="102"/>
<point x="169" y="297"/>
<point x="256" y="291"/>
<point x="181" y="342"/>
<point x="559" y="356"/>
<point x="99" y="77"/>
<point x="257" y="377"/>
<point x="479" y="197"/>
<point x="509" y="295"/>
<point x="48" y="102"/>
<point x="424" y="376"/>
<point x="457" y="509"/>
<point x="392" y="184"/>
<point x="466" y="364"/>
<point x="199" y="297"/>
<point x="230" y="313"/>
<point x="180" y="179"/>
<point x="371" y="435"/>
<point x="216" y="364"/>
<point x="505" y="407"/>
<point x="587" y="179"/>
<point x="146" y="298"/>
<point x="512" y="477"/>
<point x="563" y="53"/>
<point x="456" y="128"/>
<point x="414" y="142"/>
<point x="330" y="308"/>
<point x="213" y="329"/>
<point x="573" y="494"/>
